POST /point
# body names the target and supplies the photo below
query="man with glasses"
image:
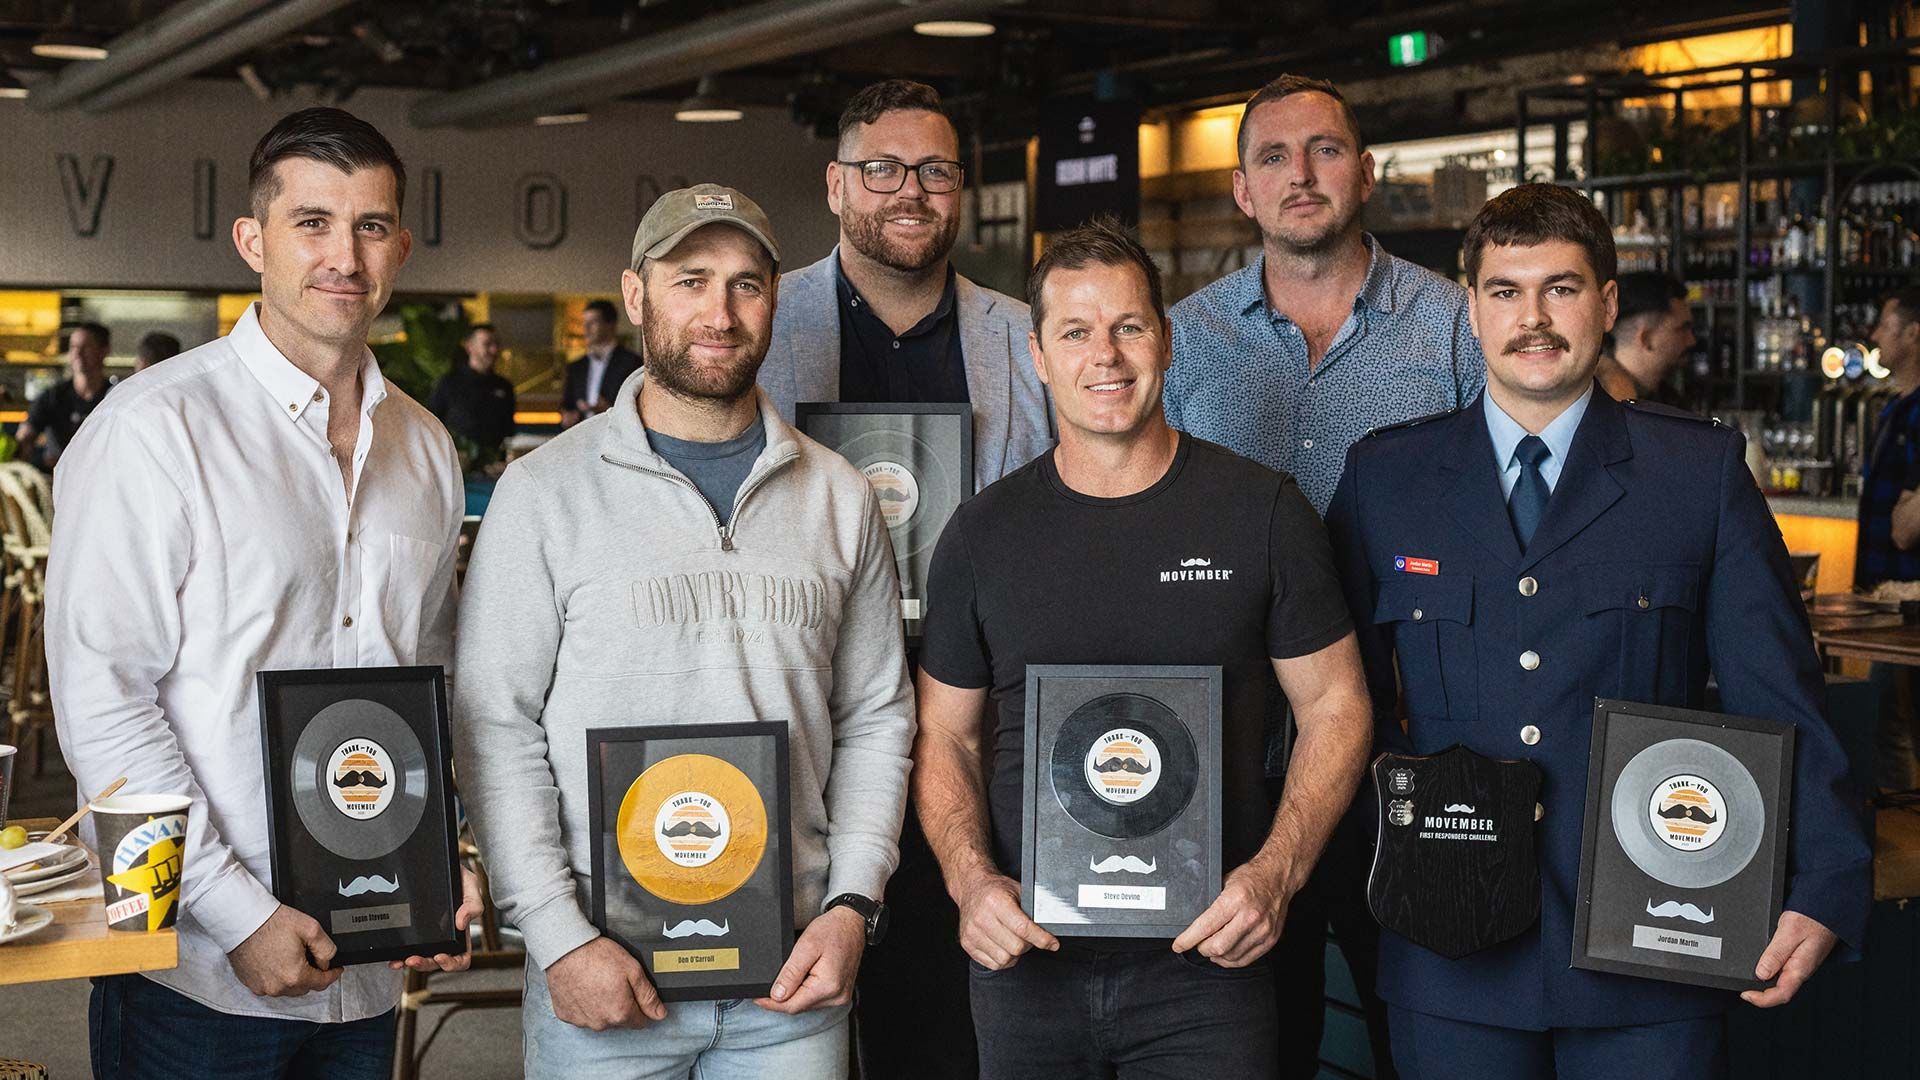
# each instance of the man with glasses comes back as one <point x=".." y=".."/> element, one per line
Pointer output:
<point x="885" y="318"/>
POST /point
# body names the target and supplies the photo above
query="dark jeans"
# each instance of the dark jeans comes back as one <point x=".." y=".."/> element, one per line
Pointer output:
<point x="913" y="986"/>
<point x="137" y="1028"/>
<point x="1434" y="1048"/>
<point x="1085" y="1014"/>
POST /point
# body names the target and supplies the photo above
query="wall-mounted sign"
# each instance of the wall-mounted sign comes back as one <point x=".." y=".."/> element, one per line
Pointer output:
<point x="1089" y="164"/>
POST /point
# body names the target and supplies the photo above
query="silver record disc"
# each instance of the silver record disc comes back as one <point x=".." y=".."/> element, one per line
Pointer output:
<point x="1714" y="804"/>
<point x="911" y="502"/>
<point x="359" y="779"/>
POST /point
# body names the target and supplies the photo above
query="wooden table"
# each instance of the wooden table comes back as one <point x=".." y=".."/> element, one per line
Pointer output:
<point x="1844" y="630"/>
<point x="78" y="945"/>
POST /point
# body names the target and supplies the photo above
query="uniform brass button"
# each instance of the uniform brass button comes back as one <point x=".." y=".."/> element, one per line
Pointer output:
<point x="1528" y="586"/>
<point x="1644" y="603"/>
<point x="1539" y="811"/>
<point x="348" y="621"/>
<point x="1530" y="660"/>
<point x="1418" y="614"/>
<point x="1530" y="735"/>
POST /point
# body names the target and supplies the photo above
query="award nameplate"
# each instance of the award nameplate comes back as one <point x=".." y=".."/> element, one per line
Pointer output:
<point x="1683" y="858"/>
<point x="1120" y="835"/>
<point x="360" y="803"/>
<point x="1454" y="870"/>
<point x="919" y="459"/>
<point x="692" y="871"/>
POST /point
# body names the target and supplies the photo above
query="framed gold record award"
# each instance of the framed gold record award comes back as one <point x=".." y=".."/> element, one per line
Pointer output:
<point x="360" y="801"/>
<point x="691" y="868"/>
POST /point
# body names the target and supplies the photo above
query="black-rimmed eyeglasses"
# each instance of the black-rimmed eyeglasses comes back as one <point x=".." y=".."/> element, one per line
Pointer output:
<point x="883" y="176"/>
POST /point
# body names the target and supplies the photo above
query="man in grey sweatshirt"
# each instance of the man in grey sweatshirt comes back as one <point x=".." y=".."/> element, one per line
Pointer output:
<point x="753" y="580"/>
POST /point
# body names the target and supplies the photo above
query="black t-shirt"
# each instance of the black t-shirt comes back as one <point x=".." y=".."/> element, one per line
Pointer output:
<point x="1222" y="561"/>
<point x="878" y="365"/>
<point x="59" y="411"/>
<point x="475" y="405"/>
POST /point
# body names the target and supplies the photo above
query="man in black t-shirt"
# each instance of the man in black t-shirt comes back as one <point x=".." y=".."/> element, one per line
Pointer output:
<point x="1079" y="558"/>
<point x="474" y="401"/>
<point x="55" y="416"/>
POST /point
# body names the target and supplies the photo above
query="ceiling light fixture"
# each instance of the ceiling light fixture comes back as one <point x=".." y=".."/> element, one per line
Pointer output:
<point x="68" y="42"/>
<point x="706" y="106"/>
<point x="557" y="119"/>
<point x="953" y="28"/>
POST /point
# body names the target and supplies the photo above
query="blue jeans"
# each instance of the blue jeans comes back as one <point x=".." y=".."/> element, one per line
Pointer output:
<point x="1154" y="1014"/>
<point x="1434" y="1048"/>
<point x="707" y="1040"/>
<point x="137" y="1028"/>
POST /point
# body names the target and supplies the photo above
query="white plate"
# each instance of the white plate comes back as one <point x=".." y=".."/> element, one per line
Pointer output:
<point x="27" y="920"/>
<point x="47" y="868"/>
<point x="44" y="884"/>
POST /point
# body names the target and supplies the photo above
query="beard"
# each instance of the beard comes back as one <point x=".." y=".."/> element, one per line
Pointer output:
<point x="669" y="360"/>
<point x="868" y="233"/>
<point x="1313" y="239"/>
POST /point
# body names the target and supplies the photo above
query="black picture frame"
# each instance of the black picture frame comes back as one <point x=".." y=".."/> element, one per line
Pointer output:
<point x="619" y="904"/>
<point x="1744" y="908"/>
<point x="421" y="883"/>
<point x="1058" y="849"/>
<point x="838" y="424"/>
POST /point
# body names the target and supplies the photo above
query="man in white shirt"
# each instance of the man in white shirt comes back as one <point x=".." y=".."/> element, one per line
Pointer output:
<point x="217" y="517"/>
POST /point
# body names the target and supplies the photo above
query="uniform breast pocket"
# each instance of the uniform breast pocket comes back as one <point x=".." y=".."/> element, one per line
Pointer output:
<point x="1431" y="620"/>
<point x="1652" y="613"/>
<point x="396" y="581"/>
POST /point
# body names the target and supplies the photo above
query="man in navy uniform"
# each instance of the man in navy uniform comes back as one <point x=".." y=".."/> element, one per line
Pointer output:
<point x="1540" y="548"/>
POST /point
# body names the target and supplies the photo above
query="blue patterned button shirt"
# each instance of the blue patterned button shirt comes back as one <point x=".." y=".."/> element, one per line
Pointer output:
<point x="1240" y="375"/>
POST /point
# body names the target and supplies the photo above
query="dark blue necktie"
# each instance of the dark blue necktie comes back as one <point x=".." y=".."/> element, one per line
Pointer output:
<point x="1530" y="493"/>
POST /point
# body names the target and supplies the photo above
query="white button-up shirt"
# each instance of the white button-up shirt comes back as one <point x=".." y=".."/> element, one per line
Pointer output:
<point x="202" y="533"/>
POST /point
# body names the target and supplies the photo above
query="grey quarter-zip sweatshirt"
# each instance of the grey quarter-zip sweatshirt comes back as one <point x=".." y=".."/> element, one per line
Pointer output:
<point x="605" y="592"/>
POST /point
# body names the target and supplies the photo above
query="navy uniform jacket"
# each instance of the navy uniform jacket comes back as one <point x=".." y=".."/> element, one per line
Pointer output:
<point x="1655" y="563"/>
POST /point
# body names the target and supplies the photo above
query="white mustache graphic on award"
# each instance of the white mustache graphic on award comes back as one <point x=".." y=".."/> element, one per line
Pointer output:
<point x="696" y="927"/>
<point x="1114" y="864"/>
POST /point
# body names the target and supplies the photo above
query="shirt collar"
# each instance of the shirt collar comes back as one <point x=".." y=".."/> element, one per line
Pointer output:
<point x="292" y="389"/>
<point x="1376" y="291"/>
<point x="1507" y="432"/>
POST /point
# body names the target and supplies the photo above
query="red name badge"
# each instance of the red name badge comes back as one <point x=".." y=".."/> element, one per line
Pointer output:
<point x="1407" y="565"/>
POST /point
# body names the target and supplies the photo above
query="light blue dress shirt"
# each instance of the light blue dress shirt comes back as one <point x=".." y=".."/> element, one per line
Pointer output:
<point x="1507" y="433"/>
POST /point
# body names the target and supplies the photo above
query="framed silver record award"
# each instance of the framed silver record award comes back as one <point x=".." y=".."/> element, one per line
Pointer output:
<point x="1121" y="831"/>
<point x="691" y="866"/>
<point x="919" y="459"/>
<point x="360" y="799"/>
<point x="1683" y="859"/>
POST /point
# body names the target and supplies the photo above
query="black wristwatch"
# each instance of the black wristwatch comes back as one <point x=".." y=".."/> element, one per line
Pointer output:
<point x="872" y="911"/>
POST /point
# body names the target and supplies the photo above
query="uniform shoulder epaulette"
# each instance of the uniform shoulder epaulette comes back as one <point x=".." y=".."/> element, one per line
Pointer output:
<point x="1655" y="408"/>
<point x="1415" y="422"/>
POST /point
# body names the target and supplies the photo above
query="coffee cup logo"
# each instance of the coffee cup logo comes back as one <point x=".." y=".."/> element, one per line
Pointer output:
<point x="1123" y="766"/>
<point x="1687" y="813"/>
<point x="897" y="490"/>
<point x="360" y="779"/>
<point x="691" y="829"/>
<point x="146" y="866"/>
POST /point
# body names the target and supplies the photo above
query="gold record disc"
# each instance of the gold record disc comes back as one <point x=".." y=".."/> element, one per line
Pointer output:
<point x="692" y="829"/>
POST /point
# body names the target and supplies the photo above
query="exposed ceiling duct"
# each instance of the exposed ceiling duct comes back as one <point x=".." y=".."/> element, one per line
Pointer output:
<point x="262" y="28"/>
<point x="179" y="27"/>
<point x="773" y="30"/>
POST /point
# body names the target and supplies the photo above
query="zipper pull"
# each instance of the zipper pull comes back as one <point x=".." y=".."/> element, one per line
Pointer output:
<point x="726" y="539"/>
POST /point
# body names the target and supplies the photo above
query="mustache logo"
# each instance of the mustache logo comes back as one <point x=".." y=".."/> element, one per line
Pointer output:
<point x="691" y="927"/>
<point x="1459" y="808"/>
<point x="1114" y="864"/>
<point x="891" y="495"/>
<point x="691" y="828"/>
<point x="359" y="778"/>
<point x="1689" y="812"/>
<point x="1196" y="562"/>
<point x="370" y="883"/>
<point x="1675" y="909"/>
<point x="1120" y="764"/>
<point x="1545" y="337"/>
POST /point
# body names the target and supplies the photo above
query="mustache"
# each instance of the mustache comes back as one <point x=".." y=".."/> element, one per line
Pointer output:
<point x="1120" y="764"/>
<point x="1459" y="808"/>
<point x="370" y="883"/>
<point x="1691" y="813"/>
<point x="1675" y="909"/>
<point x="691" y="828"/>
<point x="1114" y="864"/>
<point x="1544" y="337"/>
<point x="690" y="927"/>
<point x="359" y="778"/>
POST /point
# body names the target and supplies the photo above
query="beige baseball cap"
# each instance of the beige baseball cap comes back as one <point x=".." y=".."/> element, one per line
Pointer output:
<point x="683" y="210"/>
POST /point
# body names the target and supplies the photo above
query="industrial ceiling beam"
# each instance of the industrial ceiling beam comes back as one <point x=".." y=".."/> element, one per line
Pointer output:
<point x="178" y="28"/>
<point x="267" y="26"/>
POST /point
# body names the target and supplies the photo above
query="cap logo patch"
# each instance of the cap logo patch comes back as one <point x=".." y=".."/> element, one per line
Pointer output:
<point x="719" y="200"/>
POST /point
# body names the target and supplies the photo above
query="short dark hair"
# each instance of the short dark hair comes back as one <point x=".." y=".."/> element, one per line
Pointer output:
<point x="477" y="327"/>
<point x="97" y="331"/>
<point x="330" y="136"/>
<point x="157" y="346"/>
<point x="1103" y="241"/>
<point x="1533" y="214"/>
<point x="1906" y="301"/>
<point x="1287" y="86"/>
<point x="604" y="309"/>
<point x="1647" y="292"/>
<point x="891" y="95"/>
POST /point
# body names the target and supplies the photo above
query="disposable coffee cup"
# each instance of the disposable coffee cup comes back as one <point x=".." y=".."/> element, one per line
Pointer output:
<point x="143" y="847"/>
<point x="7" y="754"/>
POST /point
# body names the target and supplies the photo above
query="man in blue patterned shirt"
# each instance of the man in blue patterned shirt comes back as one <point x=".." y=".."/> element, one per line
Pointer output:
<point x="1889" y="544"/>
<point x="1289" y="362"/>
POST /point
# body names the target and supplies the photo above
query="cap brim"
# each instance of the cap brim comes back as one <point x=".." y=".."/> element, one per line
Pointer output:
<point x="672" y="240"/>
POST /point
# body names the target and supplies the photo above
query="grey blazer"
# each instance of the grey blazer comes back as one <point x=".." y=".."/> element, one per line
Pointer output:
<point x="1012" y="414"/>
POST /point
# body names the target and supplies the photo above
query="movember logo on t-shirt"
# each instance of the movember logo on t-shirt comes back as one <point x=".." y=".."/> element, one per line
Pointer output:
<point x="1196" y="569"/>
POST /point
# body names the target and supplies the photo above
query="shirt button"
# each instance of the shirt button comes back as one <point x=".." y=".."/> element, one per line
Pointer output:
<point x="1539" y="811"/>
<point x="1306" y="444"/>
<point x="348" y="621"/>
<point x="1528" y="586"/>
<point x="896" y="344"/>
<point x="1644" y="603"/>
<point x="293" y="406"/>
<point x="1418" y="614"/>
<point x="1529" y="659"/>
<point x="318" y="396"/>
<point x="1530" y="735"/>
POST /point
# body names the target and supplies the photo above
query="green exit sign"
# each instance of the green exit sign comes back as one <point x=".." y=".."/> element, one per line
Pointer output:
<point x="1406" y="50"/>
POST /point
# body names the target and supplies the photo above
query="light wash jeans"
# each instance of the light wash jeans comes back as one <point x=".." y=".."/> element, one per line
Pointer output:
<point x="701" y="1040"/>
